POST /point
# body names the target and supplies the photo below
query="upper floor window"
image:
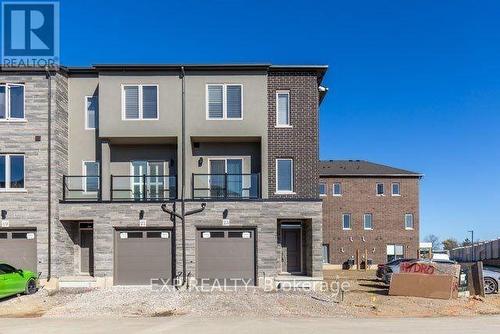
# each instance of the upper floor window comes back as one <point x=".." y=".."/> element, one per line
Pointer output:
<point x="409" y="221"/>
<point x="90" y="112"/>
<point x="11" y="171"/>
<point x="322" y="189"/>
<point x="139" y="102"/>
<point x="346" y="221"/>
<point x="284" y="176"/>
<point x="11" y="102"/>
<point x="380" y="189"/>
<point x="337" y="189"/>
<point x="224" y="101"/>
<point x="368" y="221"/>
<point x="283" y="108"/>
<point x="396" y="191"/>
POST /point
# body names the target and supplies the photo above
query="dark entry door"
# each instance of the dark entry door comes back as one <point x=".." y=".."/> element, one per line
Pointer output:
<point x="291" y="250"/>
<point x="87" y="251"/>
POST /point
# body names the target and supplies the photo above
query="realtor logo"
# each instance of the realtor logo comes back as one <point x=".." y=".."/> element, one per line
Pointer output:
<point x="30" y="34"/>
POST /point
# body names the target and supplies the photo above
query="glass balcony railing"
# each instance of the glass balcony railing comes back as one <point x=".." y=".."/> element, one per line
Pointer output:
<point x="143" y="188"/>
<point x="81" y="188"/>
<point x="226" y="186"/>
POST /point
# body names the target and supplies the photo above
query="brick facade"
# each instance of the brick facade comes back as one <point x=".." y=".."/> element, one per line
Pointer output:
<point x="300" y="141"/>
<point x="359" y="197"/>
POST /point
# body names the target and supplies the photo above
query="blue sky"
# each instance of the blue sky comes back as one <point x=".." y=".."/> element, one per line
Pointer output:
<point x="414" y="84"/>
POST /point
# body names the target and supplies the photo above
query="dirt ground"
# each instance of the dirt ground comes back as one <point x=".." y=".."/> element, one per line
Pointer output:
<point x="366" y="297"/>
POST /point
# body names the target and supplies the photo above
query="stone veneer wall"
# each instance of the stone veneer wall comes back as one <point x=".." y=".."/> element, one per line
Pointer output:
<point x="263" y="215"/>
<point x="29" y="209"/>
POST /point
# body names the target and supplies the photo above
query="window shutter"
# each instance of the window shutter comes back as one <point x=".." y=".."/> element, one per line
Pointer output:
<point x="131" y="102"/>
<point x="215" y="101"/>
<point x="283" y="109"/>
<point x="233" y="101"/>
<point x="149" y="102"/>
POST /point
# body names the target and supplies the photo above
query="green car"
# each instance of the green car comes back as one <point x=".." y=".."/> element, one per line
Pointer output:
<point x="14" y="281"/>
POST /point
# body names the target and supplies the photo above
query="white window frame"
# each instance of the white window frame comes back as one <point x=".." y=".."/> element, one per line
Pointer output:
<point x="7" y="103"/>
<point x="412" y="221"/>
<point x="350" y="222"/>
<point x="364" y="221"/>
<point x="224" y="102"/>
<point x="376" y="189"/>
<point x="285" y="192"/>
<point x="289" y="125"/>
<point x="84" y="179"/>
<point x="392" y="189"/>
<point x="326" y="189"/>
<point x="333" y="189"/>
<point x="86" y="112"/>
<point x="141" y="104"/>
<point x="8" y="173"/>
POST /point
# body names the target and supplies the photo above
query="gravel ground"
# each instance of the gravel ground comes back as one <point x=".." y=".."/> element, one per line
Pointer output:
<point x="367" y="298"/>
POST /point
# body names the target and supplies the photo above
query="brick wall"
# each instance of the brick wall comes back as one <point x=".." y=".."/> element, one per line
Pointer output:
<point x="299" y="142"/>
<point x="388" y="212"/>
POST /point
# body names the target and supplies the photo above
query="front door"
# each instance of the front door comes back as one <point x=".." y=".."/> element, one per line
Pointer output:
<point x="291" y="250"/>
<point x="86" y="251"/>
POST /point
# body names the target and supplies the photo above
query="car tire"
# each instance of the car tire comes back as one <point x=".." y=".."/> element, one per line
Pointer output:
<point x="490" y="285"/>
<point x="30" y="287"/>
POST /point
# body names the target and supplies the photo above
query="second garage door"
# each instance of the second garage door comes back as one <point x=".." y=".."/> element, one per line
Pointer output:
<point x="141" y="256"/>
<point x="226" y="255"/>
<point x="18" y="248"/>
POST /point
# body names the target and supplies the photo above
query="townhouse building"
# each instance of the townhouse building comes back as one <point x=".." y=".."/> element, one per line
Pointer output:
<point x="88" y="156"/>
<point x="370" y="213"/>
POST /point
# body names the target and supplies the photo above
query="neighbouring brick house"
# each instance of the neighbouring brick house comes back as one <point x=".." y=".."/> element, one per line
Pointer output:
<point x="368" y="208"/>
<point x="251" y="154"/>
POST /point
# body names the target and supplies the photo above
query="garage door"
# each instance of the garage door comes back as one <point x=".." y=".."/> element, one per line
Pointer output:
<point x="226" y="255"/>
<point x="141" y="256"/>
<point x="18" y="248"/>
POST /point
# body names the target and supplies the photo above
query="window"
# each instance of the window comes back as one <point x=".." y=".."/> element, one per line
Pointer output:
<point x="346" y="221"/>
<point x="322" y="189"/>
<point x="91" y="176"/>
<point x="224" y="101"/>
<point x="11" y="172"/>
<point x="409" y="221"/>
<point x="155" y="184"/>
<point x="284" y="176"/>
<point x="282" y="108"/>
<point x="11" y="102"/>
<point x="337" y="189"/>
<point x="368" y="221"/>
<point x="139" y="102"/>
<point x="90" y="112"/>
<point x="396" y="189"/>
<point x="380" y="189"/>
<point x="326" y="253"/>
<point x="226" y="178"/>
<point x="395" y="252"/>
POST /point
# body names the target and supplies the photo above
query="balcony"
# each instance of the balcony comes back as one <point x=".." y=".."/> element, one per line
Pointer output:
<point x="135" y="188"/>
<point x="226" y="186"/>
<point x="143" y="188"/>
<point x="81" y="188"/>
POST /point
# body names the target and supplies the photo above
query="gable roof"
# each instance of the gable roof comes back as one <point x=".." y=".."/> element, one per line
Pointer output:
<point x="361" y="168"/>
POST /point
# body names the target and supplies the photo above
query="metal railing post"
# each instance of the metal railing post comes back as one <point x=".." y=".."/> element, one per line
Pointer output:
<point x="144" y="187"/>
<point x="225" y="185"/>
<point x="64" y="188"/>
<point x="111" y="189"/>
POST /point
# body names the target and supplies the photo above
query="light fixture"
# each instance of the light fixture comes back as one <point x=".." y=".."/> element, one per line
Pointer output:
<point x="4" y="214"/>
<point x="141" y="215"/>
<point x="200" y="162"/>
<point x="225" y="213"/>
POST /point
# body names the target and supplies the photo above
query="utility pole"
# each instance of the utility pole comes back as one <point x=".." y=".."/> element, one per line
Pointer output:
<point x="472" y="244"/>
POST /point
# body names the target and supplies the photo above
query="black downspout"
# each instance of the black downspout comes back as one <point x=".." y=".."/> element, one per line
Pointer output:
<point x="183" y="175"/>
<point x="49" y="176"/>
